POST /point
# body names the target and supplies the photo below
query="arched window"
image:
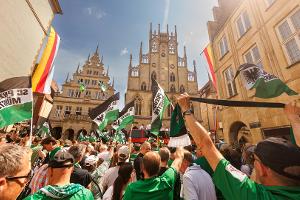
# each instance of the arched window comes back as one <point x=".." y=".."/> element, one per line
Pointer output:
<point x="153" y="75"/>
<point x="172" y="89"/>
<point x="182" y="90"/>
<point x="138" y="106"/>
<point x="172" y="77"/>
<point x="143" y="86"/>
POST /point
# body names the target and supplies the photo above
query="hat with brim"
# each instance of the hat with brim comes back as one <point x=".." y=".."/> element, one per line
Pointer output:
<point x="62" y="159"/>
<point x="280" y="155"/>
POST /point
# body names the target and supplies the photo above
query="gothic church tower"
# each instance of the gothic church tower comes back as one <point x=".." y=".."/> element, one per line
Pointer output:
<point x="163" y="63"/>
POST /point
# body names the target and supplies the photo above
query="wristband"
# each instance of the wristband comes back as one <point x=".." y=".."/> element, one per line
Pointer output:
<point x="187" y="112"/>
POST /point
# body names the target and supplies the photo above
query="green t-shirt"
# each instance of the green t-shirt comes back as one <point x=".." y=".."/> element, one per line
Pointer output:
<point x="67" y="192"/>
<point x="132" y="157"/>
<point x="161" y="187"/>
<point x="170" y="161"/>
<point x="235" y="185"/>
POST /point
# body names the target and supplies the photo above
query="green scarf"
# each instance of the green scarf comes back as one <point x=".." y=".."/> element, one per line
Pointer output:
<point x="60" y="192"/>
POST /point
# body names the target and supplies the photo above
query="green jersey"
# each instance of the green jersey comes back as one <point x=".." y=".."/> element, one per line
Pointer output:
<point x="68" y="192"/>
<point x="235" y="185"/>
<point x="161" y="187"/>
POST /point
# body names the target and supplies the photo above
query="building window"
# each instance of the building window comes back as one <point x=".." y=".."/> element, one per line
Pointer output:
<point x="70" y="93"/>
<point x="289" y="32"/>
<point x="78" y="110"/>
<point x="87" y="93"/>
<point x="96" y="73"/>
<point x="138" y="106"/>
<point x="252" y="56"/>
<point x="58" y="111"/>
<point x="94" y="82"/>
<point x="191" y="76"/>
<point x="230" y="83"/>
<point x="172" y="48"/>
<point x="68" y="110"/>
<point x="143" y="86"/>
<point x="182" y="90"/>
<point x="77" y="94"/>
<point x="223" y="45"/>
<point x="153" y="75"/>
<point x="243" y="23"/>
<point x="86" y="82"/>
<point x="172" y="77"/>
<point x="134" y="72"/>
<point x="172" y="89"/>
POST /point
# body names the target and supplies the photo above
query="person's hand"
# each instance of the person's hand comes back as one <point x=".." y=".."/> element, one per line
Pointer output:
<point x="184" y="102"/>
<point x="292" y="112"/>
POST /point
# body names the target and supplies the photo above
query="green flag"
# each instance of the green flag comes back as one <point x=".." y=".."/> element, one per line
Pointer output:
<point x="126" y="117"/>
<point x="178" y="132"/>
<point x="106" y="112"/>
<point x="44" y="131"/>
<point x="160" y="101"/>
<point x="81" y="137"/>
<point x="102" y="86"/>
<point x="15" y="100"/>
<point x="266" y="85"/>
<point x="81" y="87"/>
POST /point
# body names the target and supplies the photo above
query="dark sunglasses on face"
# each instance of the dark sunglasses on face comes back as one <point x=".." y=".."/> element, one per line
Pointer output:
<point x="28" y="176"/>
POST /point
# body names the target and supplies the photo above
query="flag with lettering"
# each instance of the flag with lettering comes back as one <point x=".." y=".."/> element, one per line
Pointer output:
<point x="15" y="100"/>
<point x="266" y="85"/>
<point x="160" y="101"/>
<point x="126" y="117"/>
<point x="106" y="112"/>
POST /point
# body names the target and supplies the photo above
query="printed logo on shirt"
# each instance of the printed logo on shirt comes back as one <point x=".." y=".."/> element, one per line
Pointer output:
<point x="235" y="173"/>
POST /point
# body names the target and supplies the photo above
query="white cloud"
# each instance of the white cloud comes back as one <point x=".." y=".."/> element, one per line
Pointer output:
<point x="95" y="12"/>
<point x="124" y="51"/>
<point x="166" y="13"/>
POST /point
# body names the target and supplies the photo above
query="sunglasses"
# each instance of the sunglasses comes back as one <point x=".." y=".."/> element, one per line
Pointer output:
<point x="12" y="178"/>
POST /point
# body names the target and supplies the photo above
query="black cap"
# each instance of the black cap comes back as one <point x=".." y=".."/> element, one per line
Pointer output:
<point x="280" y="155"/>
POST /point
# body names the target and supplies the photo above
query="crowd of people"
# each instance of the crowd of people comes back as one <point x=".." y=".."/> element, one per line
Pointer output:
<point x="57" y="169"/>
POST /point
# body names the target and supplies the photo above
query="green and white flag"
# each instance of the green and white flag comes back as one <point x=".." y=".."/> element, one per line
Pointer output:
<point x="103" y="135"/>
<point x="126" y="117"/>
<point x="93" y="137"/>
<point x="266" y="85"/>
<point x="15" y="100"/>
<point x="106" y="112"/>
<point x="82" y="87"/>
<point x="81" y="137"/>
<point x="44" y="131"/>
<point x="102" y="86"/>
<point x="120" y="137"/>
<point x="160" y="101"/>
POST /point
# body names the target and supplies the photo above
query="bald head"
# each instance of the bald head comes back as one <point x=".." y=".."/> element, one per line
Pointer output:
<point x="164" y="154"/>
<point x="145" y="147"/>
<point x="151" y="163"/>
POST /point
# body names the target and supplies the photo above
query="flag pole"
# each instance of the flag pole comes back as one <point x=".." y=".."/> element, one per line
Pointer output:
<point x="31" y="122"/>
<point x="129" y="139"/>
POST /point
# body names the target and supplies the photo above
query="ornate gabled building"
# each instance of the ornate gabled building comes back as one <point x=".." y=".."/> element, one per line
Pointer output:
<point x="162" y="63"/>
<point x="69" y="115"/>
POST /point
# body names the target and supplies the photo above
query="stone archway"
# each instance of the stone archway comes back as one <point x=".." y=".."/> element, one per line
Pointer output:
<point x="69" y="134"/>
<point x="239" y="133"/>
<point x="56" y="132"/>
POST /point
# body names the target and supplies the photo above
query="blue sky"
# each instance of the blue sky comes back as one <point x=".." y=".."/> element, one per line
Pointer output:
<point x="118" y="26"/>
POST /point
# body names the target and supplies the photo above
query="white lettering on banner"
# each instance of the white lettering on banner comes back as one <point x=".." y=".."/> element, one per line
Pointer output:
<point x="112" y="106"/>
<point x="158" y="103"/>
<point x="235" y="173"/>
<point x="15" y="97"/>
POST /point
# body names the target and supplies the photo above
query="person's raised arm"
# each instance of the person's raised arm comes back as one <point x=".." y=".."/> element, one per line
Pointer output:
<point x="293" y="114"/>
<point x="199" y="133"/>
<point x="176" y="164"/>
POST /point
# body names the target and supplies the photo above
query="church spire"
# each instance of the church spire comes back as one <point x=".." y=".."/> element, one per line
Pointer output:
<point x="113" y="83"/>
<point x="185" y="58"/>
<point x="130" y="63"/>
<point x="195" y="71"/>
<point x="96" y="52"/>
<point x="88" y="59"/>
<point x="67" y="78"/>
<point x="141" y="52"/>
<point x="158" y="29"/>
<point x="107" y="70"/>
<point x="175" y="31"/>
<point x="77" y="70"/>
<point x="101" y="61"/>
<point x="168" y="29"/>
<point x="150" y="31"/>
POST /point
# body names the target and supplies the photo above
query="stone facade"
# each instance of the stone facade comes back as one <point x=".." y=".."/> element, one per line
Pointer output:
<point x="171" y="71"/>
<point x="69" y="115"/>
<point x="263" y="32"/>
